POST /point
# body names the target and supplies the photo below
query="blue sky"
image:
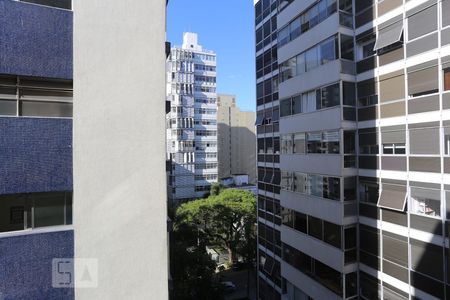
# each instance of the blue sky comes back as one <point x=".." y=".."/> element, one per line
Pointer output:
<point x="225" y="27"/>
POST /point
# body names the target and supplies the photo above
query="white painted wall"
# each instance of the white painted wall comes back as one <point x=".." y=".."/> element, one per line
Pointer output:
<point x="119" y="146"/>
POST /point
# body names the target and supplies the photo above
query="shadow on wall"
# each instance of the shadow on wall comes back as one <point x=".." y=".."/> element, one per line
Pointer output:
<point x="236" y="151"/>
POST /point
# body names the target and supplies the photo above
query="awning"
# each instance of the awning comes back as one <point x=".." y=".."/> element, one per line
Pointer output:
<point x="389" y="35"/>
<point x="392" y="197"/>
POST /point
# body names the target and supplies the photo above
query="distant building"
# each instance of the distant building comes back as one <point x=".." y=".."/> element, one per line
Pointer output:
<point x="240" y="182"/>
<point x="236" y="139"/>
<point x="191" y="123"/>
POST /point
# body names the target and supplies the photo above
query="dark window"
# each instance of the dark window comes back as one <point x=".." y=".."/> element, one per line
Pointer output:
<point x="349" y="93"/>
<point x="66" y="4"/>
<point x="285" y="107"/>
<point x="395" y="248"/>
<point x="347" y="47"/>
<point x="427" y="258"/>
<point x="315" y="227"/>
<point x="300" y="222"/>
<point x="332" y="234"/>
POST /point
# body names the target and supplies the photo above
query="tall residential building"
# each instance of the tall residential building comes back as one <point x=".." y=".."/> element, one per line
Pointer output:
<point x="120" y="211"/>
<point x="235" y="138"/>
<point x="192" y="124"/>
<point x="112" y="136"/>
<point x="364" y="89"/>
<point x="35" y="146"/>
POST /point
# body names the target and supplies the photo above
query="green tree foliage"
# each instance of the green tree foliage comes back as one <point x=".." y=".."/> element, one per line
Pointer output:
<point x="216" y="189"/>
<point x="226" y="220"/>
<point x="192" y="269"/>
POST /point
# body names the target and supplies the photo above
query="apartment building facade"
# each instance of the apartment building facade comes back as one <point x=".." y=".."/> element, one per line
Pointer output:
<point x="35" y="146"/>
<point x="111" y="146"/>
<point x="192" y="121"/>
<point x="363" y="92"/>
<point x="236" y="139"/>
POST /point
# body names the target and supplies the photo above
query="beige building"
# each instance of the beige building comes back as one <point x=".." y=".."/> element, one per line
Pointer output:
<point x="235" y="138"/>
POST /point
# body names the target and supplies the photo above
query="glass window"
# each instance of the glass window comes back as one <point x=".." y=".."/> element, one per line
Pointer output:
<point x="295" y="28"/>
<point x="286" y="144"/>
<point x="315" y="227"/>
<point x="300" y="222"/>
<point x="305" y="22"/>
<point x="447" y="143"/>
<point x="309" y="102"/>
<point x="329" y="277"/>
<point x="347" y="47"/>
<point x="315" y="183"/>
<point x="331" y="188"/>
<point x="287" y="181"/>
<point x="301" y="65"/>
<point x="313" y="16"/>
<point x="311" y="57"/>
<point x="285" y="107"/>
<point x="297" y="104"/>
<point x="314" y="142"/>
<point x="394" y="148"/>
<point x="330" y="142"/>
<point x="300" y="183"/>
<point x="287" y="218"/>
<point x="49" y="209"/>
<point x="327" y="51"/>
<point x="426" y="201"/>
<point x="8" y="107"/>
<point x="288" y="69"/>
<point x="368" y="191"/>
<point x="332" y="234"/>
<point x="299" y="143"/>
<point x="330" y="96"/>
<point x="322" y="6"/>
<point x="349" y="93"/>
<point x="283" y="36"/>
<point x="349" y="142"/>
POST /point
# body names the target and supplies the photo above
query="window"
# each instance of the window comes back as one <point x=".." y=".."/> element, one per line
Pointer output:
<point x="327" y="51"/>
<point x="283" y="36"/>
<point x="315" y="227"/>
<point x="330" y="96"/>
<point x="22" y="211"/>
<point x="389" y="37"/>
<point x="311" y="58"/>
<point x="314" y="142"/>
<point x="423" y="79"/>
<point x="424" y="140"/>
<point x="330" y="142"/>
<point x="422" y="22"/>
<point x="426" y="201"/>
<point x="297" y="104"/>
<point x="286" y="144"/>
<point x="447" y="140"/>
<point x="393" y="196"/>
<point x="309" y="102"/>
<point x="285" y="107"/>
<point x="65" y="4"/>
<point x="447" y="79"/>
<point x="294" y="28"/>
<point x="364" y="49"/>
<point x="300" y="222"/>
<point x="368" y="142"/>
<point x="287" y="217"/>
<point x="299" y="143"/>
<point x="332" y="234"/>
<point x="347" y="47"/>
<point x="394" y="148"/>
<point x="368" y="191"/>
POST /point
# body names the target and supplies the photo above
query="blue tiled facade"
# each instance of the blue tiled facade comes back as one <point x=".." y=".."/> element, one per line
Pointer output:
<point x="35" y="40"/>
<point x="35" y="155"/>
<point x="26" y="265"/>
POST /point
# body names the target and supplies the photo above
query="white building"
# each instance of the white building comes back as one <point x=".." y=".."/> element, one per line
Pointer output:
<point x="191" y="123"/>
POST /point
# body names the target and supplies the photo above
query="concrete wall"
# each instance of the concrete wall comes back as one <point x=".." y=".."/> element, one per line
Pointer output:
<point x="35" y="155"/>
<point x="26" y="264"/>
<point x="236" y="139"/>
<point x="119" y="154"/>
<point x="35" y="40"/>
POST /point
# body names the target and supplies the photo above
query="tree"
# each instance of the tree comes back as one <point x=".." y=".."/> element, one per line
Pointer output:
<point x="191" y="267"/>
<point x="225" y="220"/>
<point x="216" y="189"/>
